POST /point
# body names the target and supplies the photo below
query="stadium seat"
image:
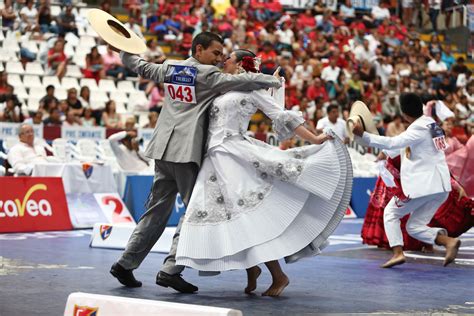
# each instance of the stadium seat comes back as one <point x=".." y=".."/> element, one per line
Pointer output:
<point x="32" y="81"/>
<point x="36" y="92"/>
<point x="69" y="50"/>
<point x="15" y="67"/>
<point x="138" y="102"/>
<point x="34" y="68"/>
<point x="20" y="92"/>
<point x="51" y="80"/>
<point x="74" y="71"/>
<point x="61" y="149"/>
<point x="107" y="85"/>
<point x="55" y="10"/>
<point x="126" y="86"/>
<point x="7" y="55"/>
<point x="120" y="108"/>
<point x="15" y="80"/>
<point x="91" y="83"/>
<point x="68" y="82"/>
<point x="87" y="41"/>
<point x="33" y="103"/>
<point x="119" y="96"/>
<point x="60" y="93"/>
<point x="99" y="96"/>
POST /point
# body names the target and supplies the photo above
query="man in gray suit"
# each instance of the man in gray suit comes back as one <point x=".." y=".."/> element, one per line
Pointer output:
<point x="178" y="146"/>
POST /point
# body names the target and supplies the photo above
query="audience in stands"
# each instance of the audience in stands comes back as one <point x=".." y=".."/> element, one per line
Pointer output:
<point x="110" y="118"/>
<point x="54" y="117"/>
<point x="73" y="102"/>
<point x="94" y="65"/>
<point x="113" y="64"/>
<point x="45" y="20"/>
<point x="29" y="17"/>
<point x="57" y="59"/>
<point x="88" y="120"/>
<point x="49" y="96"/>
<point x="72" y="119"/>
<point x="329" y="57"/>
<point x="67" y="21"/>
<point x="24" y="155"/>
<point x="152" y="119"/>
<point x="8" y="15"/>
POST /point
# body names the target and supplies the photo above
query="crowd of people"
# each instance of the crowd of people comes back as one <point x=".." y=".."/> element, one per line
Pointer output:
<point x="328" y="57"/>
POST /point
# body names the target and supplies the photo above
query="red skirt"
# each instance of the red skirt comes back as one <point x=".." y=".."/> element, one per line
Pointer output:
<point x="455" y="216"/>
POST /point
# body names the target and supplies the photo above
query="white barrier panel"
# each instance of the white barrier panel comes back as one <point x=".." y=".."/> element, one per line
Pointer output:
<point x="116" y="236"/>
<point x="105" y="305"/>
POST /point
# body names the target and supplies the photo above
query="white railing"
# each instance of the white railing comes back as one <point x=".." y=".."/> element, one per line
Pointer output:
<point x="462" y="12"/>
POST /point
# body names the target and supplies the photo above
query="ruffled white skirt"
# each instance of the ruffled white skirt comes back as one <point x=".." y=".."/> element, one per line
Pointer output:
<point x="254" y="203"/>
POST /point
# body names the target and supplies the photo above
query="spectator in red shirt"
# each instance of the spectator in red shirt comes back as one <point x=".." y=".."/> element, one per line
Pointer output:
<point x="306" y="21"/>
<point x="57" y="60"/>
<point x="317" y="89"/>
<point x="3" y="82"/>
<point x="269" y="57"/>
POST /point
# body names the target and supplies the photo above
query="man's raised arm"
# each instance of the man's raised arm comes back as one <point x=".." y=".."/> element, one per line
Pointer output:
<point x="152" y="71"/>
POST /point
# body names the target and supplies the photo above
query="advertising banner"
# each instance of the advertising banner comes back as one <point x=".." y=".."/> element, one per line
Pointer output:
<point x="33" y="204"/>
<point x="10" y="130"/>
<point x="78" y="132"/>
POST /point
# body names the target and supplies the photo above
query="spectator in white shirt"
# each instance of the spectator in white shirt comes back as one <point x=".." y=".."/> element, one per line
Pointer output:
<point x="380" y="12"/>
<point x="126" y="148"/>
<point x="132" y="25"/>
<point x="363" y="52"/>
<point x="335" y="123"/>
<point x="347" y="12"/>
<point x="29" y="17"/>
<point x="331" y="71"/>
<point x="286" y="36"/>
<point x="24" y="155"/>
<point x="436" y="66"/>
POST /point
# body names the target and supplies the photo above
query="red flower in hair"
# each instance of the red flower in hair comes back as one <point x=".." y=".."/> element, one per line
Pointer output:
<point x="248" y="63"/>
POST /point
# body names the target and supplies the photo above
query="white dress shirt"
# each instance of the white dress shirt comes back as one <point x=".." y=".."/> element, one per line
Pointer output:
<point x="128" y="160"/>
<point x="330" y="74"/>
<point x="23" y="157"/>
<point x="421" y="162"/>
<point x="339" y="127"/>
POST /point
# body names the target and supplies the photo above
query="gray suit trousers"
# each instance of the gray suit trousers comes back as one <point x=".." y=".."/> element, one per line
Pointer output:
<point x="170" y="178"/>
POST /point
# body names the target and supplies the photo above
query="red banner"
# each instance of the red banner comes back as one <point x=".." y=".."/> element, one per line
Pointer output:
<point x="32" y="204"/>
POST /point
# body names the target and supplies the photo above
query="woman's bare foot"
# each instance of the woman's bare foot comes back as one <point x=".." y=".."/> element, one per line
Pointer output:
<point x="277" y="286"/>
<point x="394" y="261"/>
<point x="252" y="275"/>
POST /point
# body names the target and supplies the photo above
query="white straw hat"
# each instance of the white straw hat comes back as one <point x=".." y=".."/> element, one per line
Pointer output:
<point x="360" y="113"/>
<point x="115" y="33"/>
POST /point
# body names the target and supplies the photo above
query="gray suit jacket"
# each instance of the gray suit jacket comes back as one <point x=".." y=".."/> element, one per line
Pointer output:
<point x="182" y="127"/>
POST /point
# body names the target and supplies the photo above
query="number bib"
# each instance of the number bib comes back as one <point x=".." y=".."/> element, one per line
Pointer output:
<point x="180" y="82"/>
<point x="437" y="134"/>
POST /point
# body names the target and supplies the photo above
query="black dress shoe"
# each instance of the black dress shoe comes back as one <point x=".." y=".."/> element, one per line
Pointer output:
<point x="175" y="281"/>
<point x="124" y="276"/>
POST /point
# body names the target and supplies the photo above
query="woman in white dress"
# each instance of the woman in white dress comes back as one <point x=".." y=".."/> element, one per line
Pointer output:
<point x="254" y="203"/>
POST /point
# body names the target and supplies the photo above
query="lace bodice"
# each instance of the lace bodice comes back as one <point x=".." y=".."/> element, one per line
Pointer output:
<point x="230" y="115"/>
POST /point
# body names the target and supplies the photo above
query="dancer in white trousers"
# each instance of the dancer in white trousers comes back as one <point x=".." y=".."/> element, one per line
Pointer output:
<point x="425" y="180"/>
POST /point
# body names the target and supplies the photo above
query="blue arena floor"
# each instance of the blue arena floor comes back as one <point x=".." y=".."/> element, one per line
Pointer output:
<point x="38" y="272"/>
